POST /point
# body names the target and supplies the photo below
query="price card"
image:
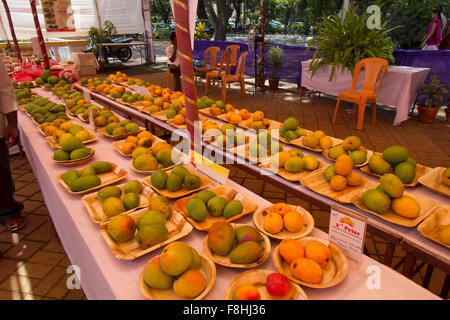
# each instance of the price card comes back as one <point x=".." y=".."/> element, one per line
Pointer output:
<point x="146" y="191"/>
<point x="86" y="94"/>
<point x="209" y="168"/>
<point x="140" y="90"/>
<point x="348" y="231"/>
<point x="177" y="219"/>
<point x="91" y="119"/>
<point x="238" y="197"/>
<point x="301" y="210"/>
<point x="324" y="241"/>
<point x="117" y="170"/>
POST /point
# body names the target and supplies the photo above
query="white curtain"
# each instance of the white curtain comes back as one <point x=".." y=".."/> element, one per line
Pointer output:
<point x="125" y="14"/>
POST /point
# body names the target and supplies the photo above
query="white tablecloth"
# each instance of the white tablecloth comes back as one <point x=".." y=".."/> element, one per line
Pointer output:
<point x="103" y="276"/>
<point x="398" y="89"/>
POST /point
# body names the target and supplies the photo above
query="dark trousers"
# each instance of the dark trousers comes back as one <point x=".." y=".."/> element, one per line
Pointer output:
<point x="176" y="71"/>
<point x="9" y="208"/>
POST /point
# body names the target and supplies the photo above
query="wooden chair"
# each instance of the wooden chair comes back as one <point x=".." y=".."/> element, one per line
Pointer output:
<point x="369" y="93"/>
<point x="237" y="77"/>
<point x="216" y="74"/>
<point x="213" y="53"/>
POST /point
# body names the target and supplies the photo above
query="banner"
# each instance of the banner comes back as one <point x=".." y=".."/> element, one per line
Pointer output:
<point x="58" y="15"/>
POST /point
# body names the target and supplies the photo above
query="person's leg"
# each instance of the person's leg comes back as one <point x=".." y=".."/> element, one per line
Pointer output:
<point x="10" y="209"/>
<point x="177" y="75"/>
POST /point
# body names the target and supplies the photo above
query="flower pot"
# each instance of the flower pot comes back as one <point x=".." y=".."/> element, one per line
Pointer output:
<point x="101" y="66"/>
<point x="260" y="81"/>
<point x="447" y="113"/>
<point x="273" y="83"/>
<point x="427" y="114"/>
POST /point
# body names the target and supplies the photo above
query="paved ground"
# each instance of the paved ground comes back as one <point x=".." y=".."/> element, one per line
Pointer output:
<point x="34" y="263"/>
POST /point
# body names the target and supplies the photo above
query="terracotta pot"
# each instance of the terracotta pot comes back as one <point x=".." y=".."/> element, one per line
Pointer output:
<point x="273" y="83"/>
<point x="427" y="114"/>
<point x="101" y="66"/>
<point x="260" y="81"/>
<point x="447" y="113"/>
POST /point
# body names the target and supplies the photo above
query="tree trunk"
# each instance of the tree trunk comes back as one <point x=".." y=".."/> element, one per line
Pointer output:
<point x="220" y="19"/>
<point x="201" y="10"/>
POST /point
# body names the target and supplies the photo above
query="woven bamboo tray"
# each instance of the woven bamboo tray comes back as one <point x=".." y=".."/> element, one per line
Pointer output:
<point x="258" y="278"/>
<point x="433" y="225"/>
<point x="207" y="268"/>
<point x="248" y="207"/>
<point x="116" y="174"/>
<point x="73" y="163"/>
<point x="369" y="154"/>
<point x="130" y="250"/>
<point x="299" y="143"/>
<point x="316" y="182"/>
<point x="433" y="180"/>
<point x="420" y="171"/>
<point x="225" y="260"/>
<point x="334" y="272"/>
<point x="289" y="176"/>
<point x="426" y="208"/>
<point x="308" y="227"/>
<point x="183" y="191"/>
<point x="119" y="136"/>
<point x="94" y="206"/>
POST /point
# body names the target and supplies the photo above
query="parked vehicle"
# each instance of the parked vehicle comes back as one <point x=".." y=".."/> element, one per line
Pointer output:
<point x="161" y="30"/>
<point x="123" y="53"/>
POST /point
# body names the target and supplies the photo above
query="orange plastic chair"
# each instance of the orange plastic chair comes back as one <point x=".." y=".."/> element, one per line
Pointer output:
<point x="168" y="79"/>
<point x="215" y="74"/>
<point x="369" y="93"/>
<point x="233" y="50"/>
<point x="213" y="53"/>
<point x="237" y="77"/>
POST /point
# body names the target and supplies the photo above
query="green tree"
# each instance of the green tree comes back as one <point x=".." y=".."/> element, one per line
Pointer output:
<point x="161" y="9"/>
<point x="219" y="16"/>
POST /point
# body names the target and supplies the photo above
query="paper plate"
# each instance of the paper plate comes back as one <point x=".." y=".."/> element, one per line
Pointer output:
<point x="432" y="226"/>
<point x="433" y="180"/>
<point x="72" y="163"/>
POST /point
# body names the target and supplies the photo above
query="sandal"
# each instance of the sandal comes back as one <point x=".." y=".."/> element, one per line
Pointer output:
<point x="15" y="224"/>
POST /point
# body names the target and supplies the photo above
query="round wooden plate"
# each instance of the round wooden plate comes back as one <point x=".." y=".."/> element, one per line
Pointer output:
<point x="258" y="220"/>
<point x="333" y="273"/>
<point x="258" y="279"/>
<point x="225" y="260"/>
<point x="207" y="267"/>
<point x="73" y="163"/>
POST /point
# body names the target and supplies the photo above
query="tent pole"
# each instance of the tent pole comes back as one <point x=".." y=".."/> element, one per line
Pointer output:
<point x="148" y="36"/>
<point x="13" y="33"/>
<point x="184" y="51"/>
<point x="39" y="34"/>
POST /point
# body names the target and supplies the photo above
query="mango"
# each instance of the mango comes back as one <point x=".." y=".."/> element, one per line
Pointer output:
<point x="157" y="147"/>
<point x="406" y="207"/>
<point x="174" y="183"/>
<point x="88" y="171"/>
<point x="246" y="253"/>
<point x="155" y="277"/>
<point x="294" y="164"/>
<point x="358" y="157"/>
<point x="343" y="165"/>
<point x="395" y="154"/>
<point x="197" y="209"/>
<point x="145" y="162"/>
<point x="247" y="231"/>
<point x="233" y="208"/>
<point x="121" y="228"/>
<point x="290" y="249"/>
<point x="159" y="179"/>
<point x="131" y="200"/>
<point x="79" y="153"/>
<point x="196" y="260"/>
<point x="192" y="182"/>
<point x="247" y="292"/>
<point x="329" y="173"/>
<point x="376" y="200"/>
<point x="101" y="166"/>
<point x="444" y="235"/>
<point x="446" y="177"/>
<point x="107" y="192"/>
<point x="221" y="237"/>
<point x="133" y="186"/>
<point x="291" y="123"/>
<point x="139" y="151"/>
<point x="70" y="176"/>
<point x="205" y="195"/>
<point x="311" y="163"/>
<point x="161" y="204"/>
<point x="405" y="171"/>
<point x="180" y="170"/>
<point x="84" y="183"/>
<point x="176" y="258"/>
<point x="165" y="157"/>
<point x="378" y="165"/>
<point x="119" y="131"/>
<point x="190" y="284"/>
<point x="70" y="143"/>
<point x="61" y="155"/>
<point x="151" y="234"/>
<point x="216" y="205"/>
<point x="311" y="141"/>
<point x="336" y="151"/>
<point x="412" y="161"/>
<point x="151" y="217"/>
<point x="113" y="206"/>
<point x="306" y="270"/>
<point x="392" y="185"/>
<point x="318" y="252"/>
<point x="351" y="143"/>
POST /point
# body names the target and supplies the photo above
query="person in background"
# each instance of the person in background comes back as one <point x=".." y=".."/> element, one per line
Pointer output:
<point x="174" y="63"/>
<point x="433" y="37"/>
<point x="445" y="43"/>
<point x="444" y="20"/>
<point x="10" y="209"/>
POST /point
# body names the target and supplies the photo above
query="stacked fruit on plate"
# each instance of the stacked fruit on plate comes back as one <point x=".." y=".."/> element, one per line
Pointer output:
<point x="111" y="198"/>
<point x="122" y="127"/>
<point x="23" y="96"/>
<point x="352" y="147"/>
<point x="43" y="110"/>
<point x="278" y="286"/>
<point x="206" y="102"/>
<point x="281" y="216"/>
<point x="389" y="195"/>
<point x="264" y="146"/>
<point x="394" y="159"/>
<point x="179" y="177"/>
<point x="290" y="129"/>
<point x="305" y="263"/>
<point x="88" y="178"/>
<point x="143" y="139"/>
<point x="293" y="161"/>
<point x="72" y="148"/>
<point x="340" y="175"/>
<point x="225" y="137"/>
<point x="317" y="140"/>
<point x="161" y="153"/>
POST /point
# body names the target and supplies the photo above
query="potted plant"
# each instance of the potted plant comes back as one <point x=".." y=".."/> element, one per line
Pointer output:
<point x="261" y="67"/>
<point x="276" y="58"/>
<point x="99" y="35"/>
<point x="434" y="92"/>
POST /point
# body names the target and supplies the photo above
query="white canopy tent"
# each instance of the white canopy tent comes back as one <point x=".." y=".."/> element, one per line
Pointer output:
<point x="125" y="14"/>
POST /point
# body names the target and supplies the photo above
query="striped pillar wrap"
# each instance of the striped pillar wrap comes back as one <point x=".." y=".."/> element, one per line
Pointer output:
<point x="184" y="52"/>
<point x="39" y="34"/>
<point x="13" y="33"/>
